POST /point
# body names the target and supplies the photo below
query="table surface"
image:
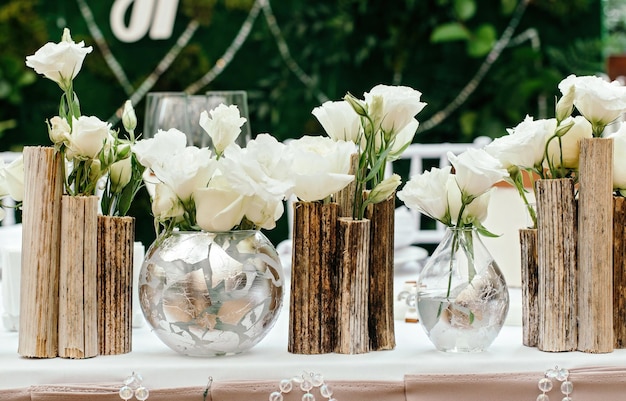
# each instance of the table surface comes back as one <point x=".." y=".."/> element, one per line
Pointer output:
<point x="269" y="360"/>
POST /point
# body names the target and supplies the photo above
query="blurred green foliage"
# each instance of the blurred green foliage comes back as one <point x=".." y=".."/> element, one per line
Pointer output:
<point x="435" y="46"/>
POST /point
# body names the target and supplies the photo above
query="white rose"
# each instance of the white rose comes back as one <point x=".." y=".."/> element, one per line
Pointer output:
<point x="164" y="144"/>
<point x="476" y="171"/>
<point x="218" y="208"/>
<point x="61" y="61"/>
<point x="524" y="147"/>
<point x="120" y="174"/>
<point x="339" y="120"/>
<point x="570" y="143"/>
<point x="224" y="125"/>
<point x="600" y="101"/>
<point x="400" y="104"/>
<point x="165" y="204"/>
<point x="89" y="135"/>
<point x="427" y="193"/>
<point x="58" y="130"/>
<point x="14" y="179"/>
<point x="320" y="166"/>
<point x="619" y="155"/>
<point x="187" y="170"/>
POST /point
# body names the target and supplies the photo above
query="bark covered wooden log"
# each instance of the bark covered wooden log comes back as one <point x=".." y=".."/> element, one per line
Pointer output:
<point x="353" y="256"/>
<point x="557" y="240"/>
<point x="41" y="230"/>
<point x="345" y="197"/>
<point x="116" y="240"/>
<point x="595" y="246"/>
<point x="530" y="288"/>
<point x="381" y="295"/>
<point x="313" y="307"/>
<point x="619" y="272"/>
<point x="78" y="312"/>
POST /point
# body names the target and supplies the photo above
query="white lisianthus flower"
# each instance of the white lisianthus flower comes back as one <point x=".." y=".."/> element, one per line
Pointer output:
<point x="89" y="135"/>
<point x="427" y="193"/>
<point x="476" y="171"/>
<point x="58" y="130"/>
<point x="340" y="121"/>
<point x="219" y="207"/>
<point x="185" y="171"/>
<point x="599" y="101"/>
<point x="384" y="189"/>
<point x="223" y="126"/>
<point x="120" y="174"/>
<point x="263" y="212"/>
<point x="400" y="104"/>
<point x="14" y="179"/>
<point x="320" y="166"/>
<point x="570" y="143"/>
<point x="402" y="140"/>
<point x="619" y="155"/>
<point x="155" y="151"/>
<point x="474" y="212"/>
<point x="129" y="118"/>
<point x="61" y="61"/>
<point x="524" y="147"/>
<point x="165" y="204"/>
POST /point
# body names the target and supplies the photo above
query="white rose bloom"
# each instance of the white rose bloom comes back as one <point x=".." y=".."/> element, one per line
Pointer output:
<point x="600" y="101"/>
<point x="165" y="204"/>
<point x="476" y="171"/>
<point x="339" y="120"/>
<point x="218" y="208"/>
<point x="187" y="170"/>
<point x="427" y="193"/>
<point x="320" y="166"/>
<point x="619" y="155"/>
<point x="400" y="104"/>
<point x="120" y="174"/>
<point x="224" y="125"/>
<point x="570" y="143"/>
<point x="61" y="61"/>
<point x="524" y="147"/>
<point x="156" y="150"/>
<point x="14" y="179"/>
<point x="89" y="135"/>
<point x="58" y="130"/>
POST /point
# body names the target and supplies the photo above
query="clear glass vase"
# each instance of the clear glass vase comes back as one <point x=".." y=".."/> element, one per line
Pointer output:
<point x="462" y="296"/>
<point x="208" y="294"/>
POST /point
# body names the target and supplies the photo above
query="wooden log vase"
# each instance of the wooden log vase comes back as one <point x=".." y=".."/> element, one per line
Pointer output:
<point x="530" y="286"/>
<point x="41" y="231"/>
<point x="116" y="240"/>
<point x="313" y="308"/>
<point x="619" y="272"/>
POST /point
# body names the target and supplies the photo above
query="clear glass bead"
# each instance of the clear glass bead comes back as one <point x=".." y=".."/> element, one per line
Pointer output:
<point x="562" y="374"/>
<point x="567" y="387"/>
<point x="545" y="384"/>
<point x="308" y="397"/>
<point x="306" y="385"/>
<point x="297" y="379"/>
<point x="126" y="393"/>
<point x="551" y="373"/>
<point x="325" y="391"/>
<point x="285" y="386"/>
<point x="276" y="396"/>
<point x="142" y="393"/>
<point x="317" y="379"/>
<point x="543" y="397"/>
<point x="134" y="380"/>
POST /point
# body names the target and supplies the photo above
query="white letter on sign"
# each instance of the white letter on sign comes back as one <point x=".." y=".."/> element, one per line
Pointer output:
<point x="156" y="16"/>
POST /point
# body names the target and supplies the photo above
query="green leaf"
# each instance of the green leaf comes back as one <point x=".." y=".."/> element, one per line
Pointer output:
<point x="464" y="9"/>
<point x="508" y="6"/>
<point x="481" y="41"/>
<point x="450" y="32"/>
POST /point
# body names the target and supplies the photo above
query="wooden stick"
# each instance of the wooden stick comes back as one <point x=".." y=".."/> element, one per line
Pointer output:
<point x="41" y="231"/>
<point x="313" y="311"/>
<point x="530" y="288"/>
<point x="595" y="246"/>
<point x="619" y="272"/>
<point x="557" y="243"/>
<point x="353" y="257"/>
<point x="78" y="312"/>
<point x="116" y="240"/>
<point x="381" y="296"/>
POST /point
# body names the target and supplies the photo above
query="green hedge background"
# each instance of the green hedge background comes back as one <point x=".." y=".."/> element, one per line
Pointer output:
<point x="341" y="45"/>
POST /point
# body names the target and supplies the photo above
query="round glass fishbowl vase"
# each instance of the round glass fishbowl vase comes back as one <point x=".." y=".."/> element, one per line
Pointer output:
<point x="462" y="296"/>
<point x="209" y="294"/>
